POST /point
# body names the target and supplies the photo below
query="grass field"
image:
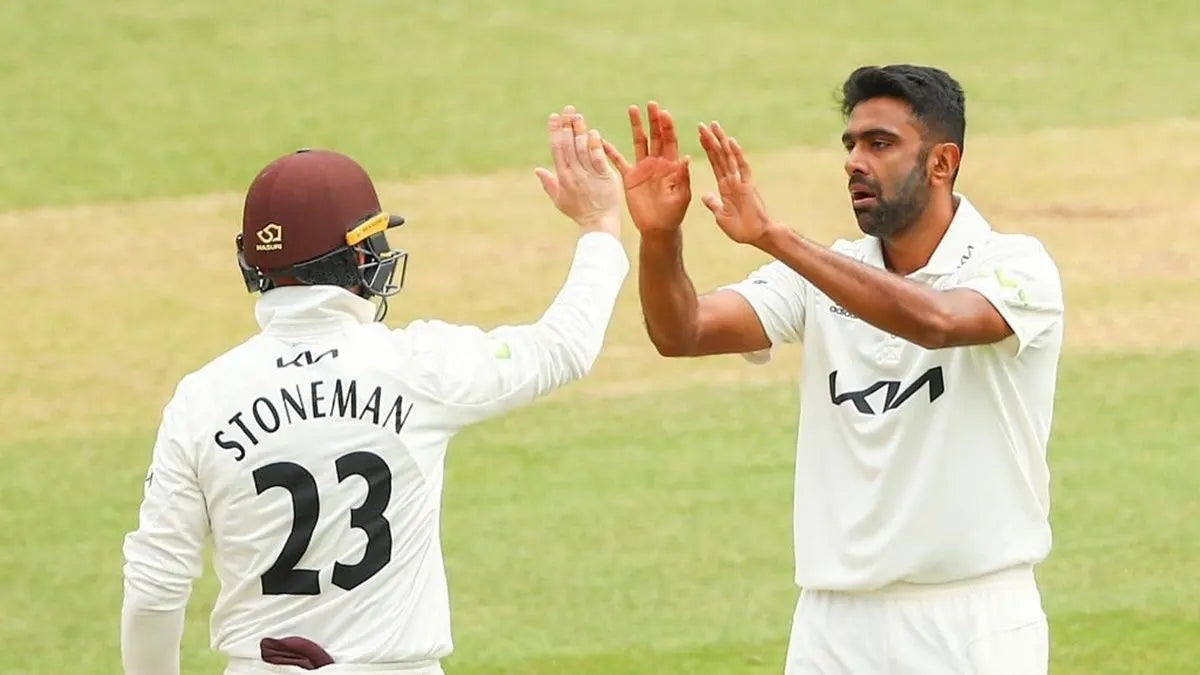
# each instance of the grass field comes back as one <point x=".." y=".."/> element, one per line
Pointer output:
<point x="639" y="521"/>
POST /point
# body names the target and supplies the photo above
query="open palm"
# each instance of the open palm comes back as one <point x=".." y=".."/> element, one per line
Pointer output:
<point x="658" y="184"/>
<point x="739" y="209"/>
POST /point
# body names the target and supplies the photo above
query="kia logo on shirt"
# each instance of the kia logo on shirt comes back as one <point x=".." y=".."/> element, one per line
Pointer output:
<point x="894" y="396"/>
<point x="306" y="358"/>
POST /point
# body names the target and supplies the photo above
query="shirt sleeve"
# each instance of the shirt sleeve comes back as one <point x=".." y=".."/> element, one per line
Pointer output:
<point x="477" y="374"/>
<point x="150" y="641"/>
<point x="1022" y="282"/>
<point x="779" y="296"/>
<point x="163" y="555"/>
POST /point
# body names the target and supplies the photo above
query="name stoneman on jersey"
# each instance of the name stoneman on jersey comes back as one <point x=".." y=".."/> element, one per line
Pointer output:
<point x="297" y="452"/>
<point x="347" y="399"/>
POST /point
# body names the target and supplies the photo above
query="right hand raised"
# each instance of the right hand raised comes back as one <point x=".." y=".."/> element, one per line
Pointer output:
<point x="657" y="185"/>
<point x="583" y="186"/>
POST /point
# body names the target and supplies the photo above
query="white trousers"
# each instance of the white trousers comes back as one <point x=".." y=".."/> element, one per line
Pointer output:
<point x="989" y="626"/>
<point x="251" y="667"/>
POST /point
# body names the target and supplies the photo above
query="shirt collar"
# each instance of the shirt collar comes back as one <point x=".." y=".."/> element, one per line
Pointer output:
<point x="967" y="229"/>
<point x="311" y="309"/>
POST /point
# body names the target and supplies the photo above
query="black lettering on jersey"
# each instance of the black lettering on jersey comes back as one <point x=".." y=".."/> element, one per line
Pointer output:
<point x="284" y="576"/>
<point x="372" y="406"/>
<point x="966" y="256"/>
<point x="305" y="358"/>
<point x="230" y="445"/>
<point x="302" y="403"/>
<point x="400" y="419"/>
<point x="293" y="404"/>
<point x="316" y="400"/>
<point x="894" y="396"/>
<point x="257" y="408"/>
<point x="237" y="419"/>
<point x="345" y="399"/>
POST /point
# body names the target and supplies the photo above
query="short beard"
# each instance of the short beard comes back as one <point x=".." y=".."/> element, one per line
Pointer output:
<point x="894" y="216"/>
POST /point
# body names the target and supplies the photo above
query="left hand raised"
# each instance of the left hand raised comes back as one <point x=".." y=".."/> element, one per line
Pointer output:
<point x="739" y="209"/>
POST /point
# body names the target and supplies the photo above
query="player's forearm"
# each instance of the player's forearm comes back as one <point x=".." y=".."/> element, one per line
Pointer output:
<point x="150" y="640"/>
<point x="572" y="329"/>
<point x="889" y="302"/>
<point x="669" y="302"/>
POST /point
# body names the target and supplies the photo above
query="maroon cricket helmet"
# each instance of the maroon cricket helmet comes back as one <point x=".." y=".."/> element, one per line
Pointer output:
<point x="310" y="209"/>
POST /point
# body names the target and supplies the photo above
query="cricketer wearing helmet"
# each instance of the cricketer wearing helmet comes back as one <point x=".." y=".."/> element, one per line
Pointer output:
<point x="312" y="453"/>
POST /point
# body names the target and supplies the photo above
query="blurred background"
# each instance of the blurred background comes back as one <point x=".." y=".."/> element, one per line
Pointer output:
<point x="638" y="521"/>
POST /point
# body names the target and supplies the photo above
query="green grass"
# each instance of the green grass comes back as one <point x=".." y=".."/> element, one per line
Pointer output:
<point x="652" y="534"/>
<point x="103" y="101"/>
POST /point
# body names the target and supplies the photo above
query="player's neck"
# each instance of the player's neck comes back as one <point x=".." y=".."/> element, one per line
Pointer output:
<point x="910" y="250"/>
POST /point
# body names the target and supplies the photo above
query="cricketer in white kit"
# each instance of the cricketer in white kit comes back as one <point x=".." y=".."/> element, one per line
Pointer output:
<point x="930" y="357"/>
<point x="313" y="452"/>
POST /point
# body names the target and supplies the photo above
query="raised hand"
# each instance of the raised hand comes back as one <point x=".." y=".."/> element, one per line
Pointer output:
<point x="657" y="184"/>
<point x="583" y="186"/>
<point x="739" y="209"/>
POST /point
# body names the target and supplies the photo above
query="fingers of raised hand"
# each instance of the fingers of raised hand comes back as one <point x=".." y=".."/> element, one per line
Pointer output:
<point x="670" y="141"/>
<point x="727" y="157"/>
<point x="561" y="142"/>
<point x="579" y="139"/>
<point x="596" y="154"/>
<point x="739" y="159"/>
<point x="712" y="147"/>
<point x="616" y="158"/>
<point x="713" y="202"/>
<point x="587" y="146"/>
<point x="639" y="134"/>
<point x="684" y="169"/>
<point x="549" y="182"/>
<point x="566" y="137"/>
<point x="656" y="135"/>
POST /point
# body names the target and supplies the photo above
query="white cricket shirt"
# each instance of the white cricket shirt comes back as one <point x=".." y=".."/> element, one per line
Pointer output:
<point x="920" y="465"/>
<point x="313" y="455"/>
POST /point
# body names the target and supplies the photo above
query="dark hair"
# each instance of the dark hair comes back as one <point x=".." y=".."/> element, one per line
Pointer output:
<point x="936" y="98"/>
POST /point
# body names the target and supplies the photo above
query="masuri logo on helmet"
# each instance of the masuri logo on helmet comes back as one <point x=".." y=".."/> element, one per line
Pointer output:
<point x="271" y="238"/>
